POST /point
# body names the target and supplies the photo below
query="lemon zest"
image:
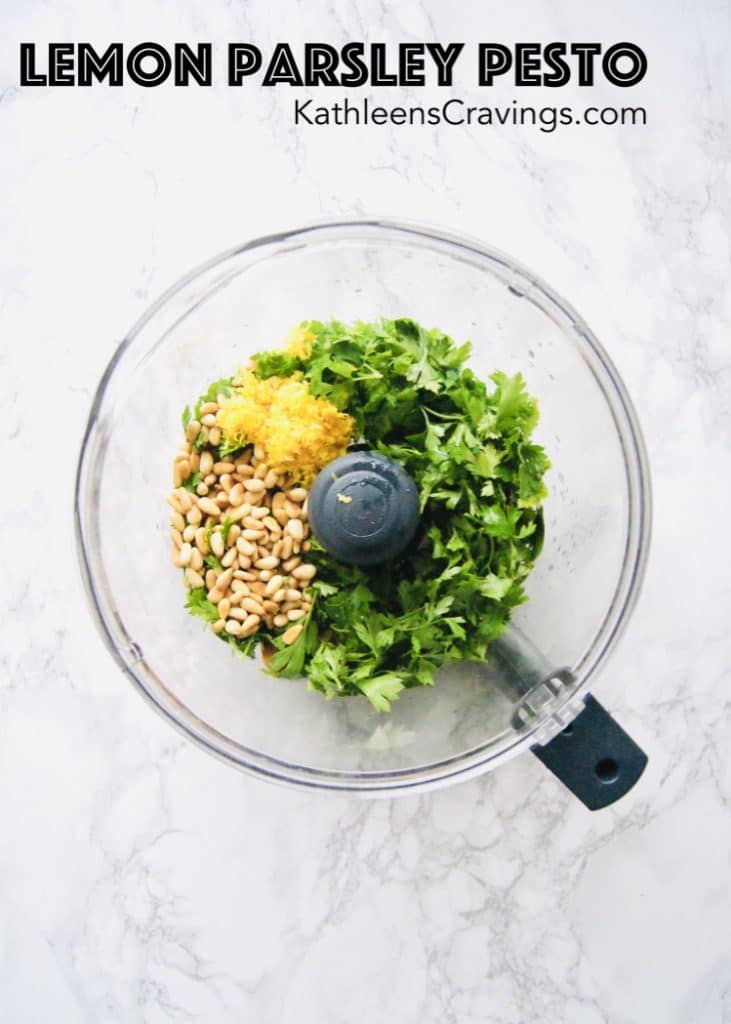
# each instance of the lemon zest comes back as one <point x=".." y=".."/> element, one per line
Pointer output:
<point x="298" y="432"/>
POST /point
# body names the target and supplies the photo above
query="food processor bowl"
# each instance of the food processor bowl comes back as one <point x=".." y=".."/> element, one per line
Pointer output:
<point x="581" y="592"/>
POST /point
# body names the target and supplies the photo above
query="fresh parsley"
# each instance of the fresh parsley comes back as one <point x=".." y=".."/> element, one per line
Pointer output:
<point x="467" y="446"/>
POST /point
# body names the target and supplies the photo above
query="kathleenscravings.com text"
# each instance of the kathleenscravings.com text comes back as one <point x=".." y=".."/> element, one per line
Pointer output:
<point x="458" y="113"/>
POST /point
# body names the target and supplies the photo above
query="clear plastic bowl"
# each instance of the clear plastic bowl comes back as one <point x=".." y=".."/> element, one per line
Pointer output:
<point x="580" y="593"/>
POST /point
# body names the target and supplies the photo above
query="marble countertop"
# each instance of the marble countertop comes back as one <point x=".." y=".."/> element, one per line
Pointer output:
<point x="140" y="880"/>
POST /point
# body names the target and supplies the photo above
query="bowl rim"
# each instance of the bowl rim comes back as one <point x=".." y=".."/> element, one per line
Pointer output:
<point x="477" y="760"/>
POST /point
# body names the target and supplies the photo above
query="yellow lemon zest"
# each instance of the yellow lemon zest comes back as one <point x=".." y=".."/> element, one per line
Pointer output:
<point x="298" y="433"/>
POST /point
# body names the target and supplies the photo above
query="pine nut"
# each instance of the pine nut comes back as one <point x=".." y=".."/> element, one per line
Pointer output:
<point x="214" y="436"/>
<point x="193" y="430"/>
<point x="304" y="572"/>
<point x="267" y="563"/>
<point x="236" y="494"/>
<point x="211" y="576"/>
<point x="297" y="494"/>
<point x="295" y="614"/>
<point x="209" y="506"/>
<point x="200" y="540"/>
<point x="257" y="588"/>
<point x="292" y="510"/>
<point x="219" y="468"/>
<point x="258" y="452"/>
<point x="174" y="503"/>
<point x="280" y="620"/>
<point x="249" y="577"/>
<point x="193" y="579"/>
<point x="251" y="523"/>
<point x="265" y="575"/>
<point x="252" y="605"/>
<point x="238" y="613"/>
<point x="261" y="471"/>
<point x="277" y="548"/>
<point x="209" y="407"/>
<point x="206" y="463"/>
<point x="226" y="482"/>
<point x="239" y="512"/>
<point x="215" y="596"/>
<point x="286" y="551"/>
<point x="177" y="538"/>
<point x="229" y="558"/>
<point x="224" y="607"/>
<point x="260" y="512"/>
<point x="194" y="515"/>
<point x="279" y="595"/>
<point x="271" y="524"/>
<point x="270" y="606"/>
<point x="292" y="634"/>
<point x="224" y="580"/>
<point x="244" y="562"/>
<point x="254" y="486"/>
<point x="273" y="585"/>
<point x="291" y="563"/>
<point x="306" y="546"/>
<point x="280" y="514"/>
<point x="177" y="521"/>
<point x="244" y="471"/>
<point x="250" y="626"/>
<point x="295" y="529"/>
<point x="233" y="627"/>
<point x="184" y="555"/>
<point x="209" y="479"/>
<point x="218" y="626"/>
<point x="185" y="499"/>
<point x="201" y="490"/>
<point x="250" y="534"/>
<point x="271" y="478"/>
<point x="209" y="420"/>
<point x="189" y="533"/>
<point x="205" y="435"/>
<point x="296" y="547"/>
<point x="278" y="500"/>
<point x="245" y="546"/>
<point x="196" y="560"/>
<point x="234" y="532"/>
<point x="216" y="544"/>
<point x="221" y="499"/>
<point x="293" y="595"/>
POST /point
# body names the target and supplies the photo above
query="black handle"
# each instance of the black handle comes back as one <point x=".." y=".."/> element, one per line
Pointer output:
<point x="594" y="757"/>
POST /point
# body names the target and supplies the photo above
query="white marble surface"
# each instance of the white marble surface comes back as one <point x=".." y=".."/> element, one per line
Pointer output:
<point x="141" y="880"/>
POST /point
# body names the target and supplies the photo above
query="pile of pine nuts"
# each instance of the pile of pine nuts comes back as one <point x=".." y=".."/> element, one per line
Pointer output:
<point x="263" y="579"/>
